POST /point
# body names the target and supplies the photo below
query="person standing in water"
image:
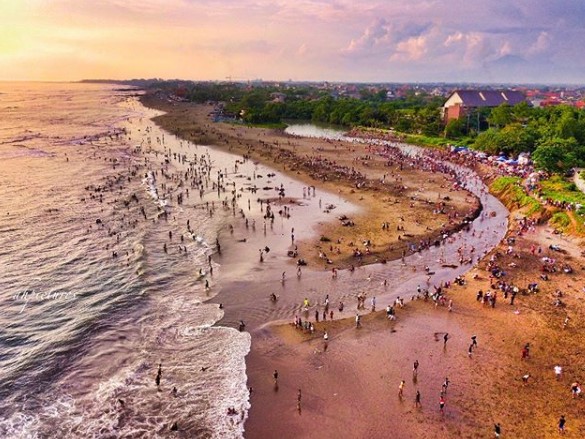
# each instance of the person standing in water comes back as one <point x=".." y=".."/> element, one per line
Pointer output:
<point x="158" y="376"/>
<point x="299" y="396"/>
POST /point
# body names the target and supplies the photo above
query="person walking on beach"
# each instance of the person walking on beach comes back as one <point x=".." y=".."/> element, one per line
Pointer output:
<point x="417" y="400"/>
<point x="474" y="341"/>
<point x="445" y="338"/>
<point x="445" y="385"/>
<point x="401" y="389"/>
<point x="415" y="368"/>
<point x="562" y="422"/>
<point x="442" y="405"/>
<point x="558" y="372"/>
<point x="497" y="429"/>
<point x="275" y="376"/>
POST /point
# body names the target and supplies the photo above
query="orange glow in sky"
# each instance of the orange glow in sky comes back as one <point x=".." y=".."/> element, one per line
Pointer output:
<point x="369" y="40"/>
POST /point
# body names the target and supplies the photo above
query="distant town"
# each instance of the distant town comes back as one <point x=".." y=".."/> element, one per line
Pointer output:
<point x="538" y="95"/>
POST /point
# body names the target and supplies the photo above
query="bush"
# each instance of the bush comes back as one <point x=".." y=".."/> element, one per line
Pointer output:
<point x="560" y="219"/>
<point x="514" y="195"/>
<point x="558" y="189"/>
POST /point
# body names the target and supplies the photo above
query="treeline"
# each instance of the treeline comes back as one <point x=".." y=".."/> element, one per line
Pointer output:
<point x="555" y="135"/>
<point x="416" y="113"/>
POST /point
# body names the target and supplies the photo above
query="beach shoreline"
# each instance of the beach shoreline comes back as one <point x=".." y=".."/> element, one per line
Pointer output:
<point x="487" y="387"/>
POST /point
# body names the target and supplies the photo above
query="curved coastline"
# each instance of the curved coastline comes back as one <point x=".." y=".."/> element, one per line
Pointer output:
<point x="302" y="359"/>
<point x="331" y="199"/>
<point x="409" y="283"/>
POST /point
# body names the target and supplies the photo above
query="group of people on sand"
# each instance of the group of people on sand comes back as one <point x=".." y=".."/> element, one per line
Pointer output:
<point x="418" y="396"/>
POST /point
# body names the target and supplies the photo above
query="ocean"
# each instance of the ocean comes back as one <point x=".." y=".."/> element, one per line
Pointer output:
<point x="92" y="303"/>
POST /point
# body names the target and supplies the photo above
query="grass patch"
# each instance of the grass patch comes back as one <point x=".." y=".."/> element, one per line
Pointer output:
<point x="561" y="220"/>
<point x="419" y="139"/>
<point x="558" y="189"/>
<point x="512" y="192"/>
<point x="500" y="184"/>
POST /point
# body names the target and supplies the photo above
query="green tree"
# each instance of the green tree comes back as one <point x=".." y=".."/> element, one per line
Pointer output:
<point x="500" y="116"/>
<point x="323" y="109"/>
<point x="514" y="139"/>
<point x="489" y="141"/>
<point x="455" y="129"/>
<point x="428" y="121"/>
<point x="404" y="123"/>
<point x="523" y="112"/>
<point x="558" y="155"/>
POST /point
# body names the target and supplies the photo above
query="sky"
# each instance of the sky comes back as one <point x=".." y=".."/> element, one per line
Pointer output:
<point x="489" y="41"/>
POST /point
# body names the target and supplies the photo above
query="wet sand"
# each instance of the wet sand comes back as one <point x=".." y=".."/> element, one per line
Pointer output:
<point x="351" y="389"/>
<point x="405" y="194"/>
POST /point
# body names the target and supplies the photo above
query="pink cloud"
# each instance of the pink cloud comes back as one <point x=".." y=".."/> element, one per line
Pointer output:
<point x="412" y="49"/>
<point x="374" y="36"/>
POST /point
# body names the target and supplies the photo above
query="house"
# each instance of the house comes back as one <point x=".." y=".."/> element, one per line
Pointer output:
<point x="278" y="97"/>
<point x="461" y="102"/>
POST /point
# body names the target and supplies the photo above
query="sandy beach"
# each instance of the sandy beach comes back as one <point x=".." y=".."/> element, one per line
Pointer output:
<point x="349" y="385"/>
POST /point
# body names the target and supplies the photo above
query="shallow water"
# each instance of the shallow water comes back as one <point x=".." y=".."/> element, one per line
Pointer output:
<point x="388" y="281"/>
<point x="82" y="329"/>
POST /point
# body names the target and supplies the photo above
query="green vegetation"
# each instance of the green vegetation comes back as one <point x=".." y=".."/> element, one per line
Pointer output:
<point x="414" y="113"/>
<point x="510" y="188"/>
<point x="560" y="220"/>
<point x="500" y="184"/>
<point x="557" y="188"/>
<point x="554" y="135"/>
<point x="421" y="140"/>
<point x="568" y="222"/>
